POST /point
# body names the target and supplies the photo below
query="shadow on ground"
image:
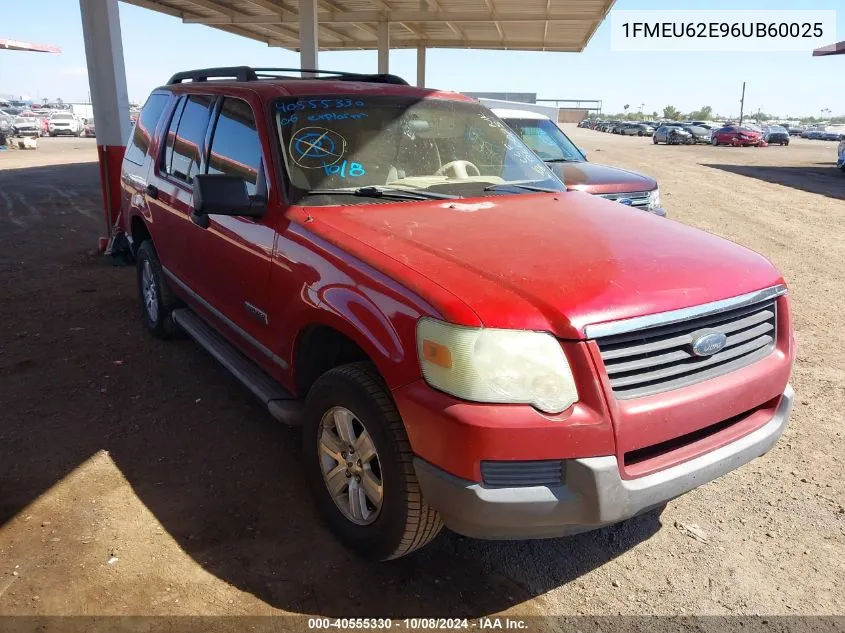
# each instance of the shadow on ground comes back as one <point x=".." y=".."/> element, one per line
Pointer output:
<point x="79" y="374"/>
<point x="824" y="180"/>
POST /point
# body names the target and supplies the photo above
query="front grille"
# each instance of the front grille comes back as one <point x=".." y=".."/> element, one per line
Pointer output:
<point x="637" y="198"/>
<point x="516" y="474"/>
<point x="660" y="358"/>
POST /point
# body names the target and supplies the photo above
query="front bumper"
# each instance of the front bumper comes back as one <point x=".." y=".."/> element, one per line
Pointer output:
<point x="592" y="494"/>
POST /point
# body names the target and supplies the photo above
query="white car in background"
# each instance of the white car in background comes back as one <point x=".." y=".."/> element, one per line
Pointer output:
<point x="66" y="123"/>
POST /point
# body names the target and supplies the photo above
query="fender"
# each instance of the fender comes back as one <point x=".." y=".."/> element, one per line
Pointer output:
<point x="360" y="314"/>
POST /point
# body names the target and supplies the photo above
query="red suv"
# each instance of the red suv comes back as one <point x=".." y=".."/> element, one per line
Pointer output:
<point x="461" y="347"/>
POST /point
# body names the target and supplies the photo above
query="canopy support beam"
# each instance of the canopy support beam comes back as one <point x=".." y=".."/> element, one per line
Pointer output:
<point x="384" y="47"/>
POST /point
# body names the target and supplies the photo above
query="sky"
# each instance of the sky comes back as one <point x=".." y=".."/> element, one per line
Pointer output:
<point x="786" y="84"/>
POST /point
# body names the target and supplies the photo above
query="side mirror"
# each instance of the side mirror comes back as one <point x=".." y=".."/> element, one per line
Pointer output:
<point x="220" y="194"/>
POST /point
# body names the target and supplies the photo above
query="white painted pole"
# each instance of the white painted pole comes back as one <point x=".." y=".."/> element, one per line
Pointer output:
<point x="384" y="47"/>
<point x="421" y="66"/>
<point x="109" y="99"/>
<point x="106" y="70"/>
<point x="309" y="44"/>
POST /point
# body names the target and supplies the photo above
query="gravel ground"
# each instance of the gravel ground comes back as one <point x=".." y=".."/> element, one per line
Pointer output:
<point x="138" y="478"/>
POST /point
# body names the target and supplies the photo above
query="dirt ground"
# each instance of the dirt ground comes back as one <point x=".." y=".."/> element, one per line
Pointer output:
<point x="137" y="477"/>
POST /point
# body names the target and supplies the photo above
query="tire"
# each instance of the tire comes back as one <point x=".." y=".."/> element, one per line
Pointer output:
<point x="714" y="142"/>
<point x="156" y="308"/>
<point x="404" y="521"/>
<point x="654" y="140"/>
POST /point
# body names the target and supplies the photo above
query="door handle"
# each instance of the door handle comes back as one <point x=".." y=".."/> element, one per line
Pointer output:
<point x="152" y="191"/>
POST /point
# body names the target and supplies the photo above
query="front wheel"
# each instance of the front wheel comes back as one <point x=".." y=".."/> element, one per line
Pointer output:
<point x="654" y="140"/>
<point x="359" y="465"/>
<point x="714" y="142"/>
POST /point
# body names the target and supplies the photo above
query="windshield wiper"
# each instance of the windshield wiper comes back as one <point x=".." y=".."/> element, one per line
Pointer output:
<point x="518" y="185"/>
<point x="382" y="192"/>
<point x="564" y="160"/>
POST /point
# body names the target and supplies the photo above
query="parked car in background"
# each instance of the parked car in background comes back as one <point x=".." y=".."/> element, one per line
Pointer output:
<point x="89" y="128"/>
<point x="813" y="135"/>
<point x="6" y="121"/>
<point x="795" y="130"/>
<point x="699" y="134"/>
<point x="630" y="129"/>
<point x="65" y="123"/>
<point x="841" y="160"/>
<point x="644" y="129"/>
<point x="776" y="135"/>
<point x="672" y="135"/>
<point x="737" y="136"/>
<point x="570" y="164"/>
<point x="462" y="341"/>
<point x="26" y="126"/>
<point x="831" y="135"/>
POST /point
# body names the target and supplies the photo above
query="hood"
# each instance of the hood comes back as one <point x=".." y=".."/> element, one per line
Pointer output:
<point x="546" y="262"/>
<point x="593" y="178"/>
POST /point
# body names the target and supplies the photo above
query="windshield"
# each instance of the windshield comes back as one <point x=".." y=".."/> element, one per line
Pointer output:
<point x="434" y="145"/>
<point x="546" y="139"/>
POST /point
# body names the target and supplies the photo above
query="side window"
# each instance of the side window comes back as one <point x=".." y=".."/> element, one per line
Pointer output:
<point x="235" y="147"/>
<point x="171" y="135"/>
<point x="185" y="148"/>
<point x="539" y="141"/>
<point x="142" y="133"/>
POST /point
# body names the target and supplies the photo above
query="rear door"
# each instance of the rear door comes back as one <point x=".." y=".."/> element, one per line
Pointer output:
<point x="170" y="183"/>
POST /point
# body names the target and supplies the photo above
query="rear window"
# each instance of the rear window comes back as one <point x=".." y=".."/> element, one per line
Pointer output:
<point x="142" y="133"/>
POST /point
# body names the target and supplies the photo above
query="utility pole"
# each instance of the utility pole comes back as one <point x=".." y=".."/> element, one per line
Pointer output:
<point x="742" y="104"/>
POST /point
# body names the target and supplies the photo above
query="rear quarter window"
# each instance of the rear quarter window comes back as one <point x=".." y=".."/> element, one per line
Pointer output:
<point x="142" y="132"/>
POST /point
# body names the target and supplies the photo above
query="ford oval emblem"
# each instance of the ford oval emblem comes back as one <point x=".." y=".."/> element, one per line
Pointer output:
<point x="709" y="344"/>
<point x="626" y="201"/>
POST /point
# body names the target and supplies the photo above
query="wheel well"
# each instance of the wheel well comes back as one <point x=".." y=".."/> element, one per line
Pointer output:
<point x="321" y="348"/>
<point x="139" y="232"/>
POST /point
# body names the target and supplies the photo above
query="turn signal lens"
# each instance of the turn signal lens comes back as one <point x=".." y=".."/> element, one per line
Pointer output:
<point x="437" y="354"/>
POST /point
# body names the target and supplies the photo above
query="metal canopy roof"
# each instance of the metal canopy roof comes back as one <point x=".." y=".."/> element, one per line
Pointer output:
<point x="543" y="25"/>
<point x="15" y="45"/>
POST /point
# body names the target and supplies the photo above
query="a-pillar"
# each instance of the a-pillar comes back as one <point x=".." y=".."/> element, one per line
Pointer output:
<point x="107" y="81"/>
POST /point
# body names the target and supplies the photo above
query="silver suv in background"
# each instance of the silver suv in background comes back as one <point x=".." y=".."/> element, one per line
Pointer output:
<point x="64" y="123"/>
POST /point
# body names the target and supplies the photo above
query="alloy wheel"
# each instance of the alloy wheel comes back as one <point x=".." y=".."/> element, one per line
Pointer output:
<point x="350" y="466"/>
<point x="149" y="287"/>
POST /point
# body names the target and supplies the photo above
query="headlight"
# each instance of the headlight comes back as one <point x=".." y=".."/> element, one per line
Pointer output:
<point x="654" y="199"/>
<point x="492" y="365"/>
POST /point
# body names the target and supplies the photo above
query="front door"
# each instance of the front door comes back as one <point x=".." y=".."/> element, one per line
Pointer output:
<point x="230" y="259"/>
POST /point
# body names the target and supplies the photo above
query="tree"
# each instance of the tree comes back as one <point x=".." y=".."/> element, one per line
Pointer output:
<point x="672" y="113"/>
<point x="704" y="114"/>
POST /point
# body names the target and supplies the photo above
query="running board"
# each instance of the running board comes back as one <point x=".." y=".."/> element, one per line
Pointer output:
<point x="281" y="404"/>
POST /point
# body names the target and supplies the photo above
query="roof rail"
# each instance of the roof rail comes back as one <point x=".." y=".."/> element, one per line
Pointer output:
<point x="246" y="73"/>
<point x="238" y="73"/>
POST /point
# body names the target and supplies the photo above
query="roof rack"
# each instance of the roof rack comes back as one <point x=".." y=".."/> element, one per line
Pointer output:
<point x="246" y="73"/>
